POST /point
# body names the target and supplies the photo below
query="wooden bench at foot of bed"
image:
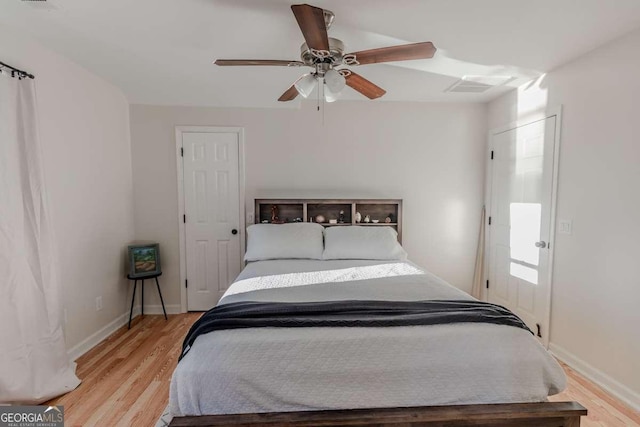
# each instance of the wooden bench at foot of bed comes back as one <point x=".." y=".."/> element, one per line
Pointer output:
<point x="547" y="414"/>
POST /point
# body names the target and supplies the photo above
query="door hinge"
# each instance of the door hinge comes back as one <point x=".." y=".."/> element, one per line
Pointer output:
<point x="489" y="220"/>
<point x="184" y="219"/>
<point x="491" y="154"/>
<point x="186" y="283"/>
<point x="539" y="333"/>
<point x="182" y="152"/>
<point x="487" y="284"/>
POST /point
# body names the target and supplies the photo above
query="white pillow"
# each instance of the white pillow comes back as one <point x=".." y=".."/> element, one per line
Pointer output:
<point x="362" y="242"/>
<point x="284" y="241"/>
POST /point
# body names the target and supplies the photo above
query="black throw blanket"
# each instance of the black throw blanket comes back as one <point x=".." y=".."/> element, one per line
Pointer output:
<point x="347" y="314"/>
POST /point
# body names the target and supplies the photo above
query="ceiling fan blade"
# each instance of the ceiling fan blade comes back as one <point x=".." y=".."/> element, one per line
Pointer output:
<point x="289" y="95"/>
<point x="364" y="86"/>
<point x="276" y="62"/>
<point x="311" y="22"/>
<point x="424" y="50"/>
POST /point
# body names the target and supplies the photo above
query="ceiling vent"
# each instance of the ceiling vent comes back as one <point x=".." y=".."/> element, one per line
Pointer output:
<point x="40" y="4"/>
<point x="477" y="84"/>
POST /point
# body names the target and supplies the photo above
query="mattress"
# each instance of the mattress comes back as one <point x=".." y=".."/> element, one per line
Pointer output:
<point x="288" y="369"/>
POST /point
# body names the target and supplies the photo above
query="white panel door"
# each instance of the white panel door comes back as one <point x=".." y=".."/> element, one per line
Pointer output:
<point x="521" y="199"/>
<point x="212" y="210"/>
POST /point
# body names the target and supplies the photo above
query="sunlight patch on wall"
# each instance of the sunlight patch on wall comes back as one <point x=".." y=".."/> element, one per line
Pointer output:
<point x="532" y="99"/>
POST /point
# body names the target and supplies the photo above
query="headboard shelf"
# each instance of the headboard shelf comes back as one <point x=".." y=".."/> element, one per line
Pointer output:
<point x="308" y="210"/>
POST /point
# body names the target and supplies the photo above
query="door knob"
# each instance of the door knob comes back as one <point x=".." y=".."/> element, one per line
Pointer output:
<point x="541" y="244"/>
<point x="234" y="231"/>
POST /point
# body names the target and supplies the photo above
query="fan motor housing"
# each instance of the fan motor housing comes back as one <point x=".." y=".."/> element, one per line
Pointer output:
<point x="336" y="52"/>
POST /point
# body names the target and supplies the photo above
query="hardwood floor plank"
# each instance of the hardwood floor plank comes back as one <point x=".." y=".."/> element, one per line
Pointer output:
<point x="125" y="380"/>
<point x="604" y="410"/>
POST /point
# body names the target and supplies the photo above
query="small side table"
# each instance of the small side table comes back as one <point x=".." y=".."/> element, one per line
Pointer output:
<point x="133" y="297"/>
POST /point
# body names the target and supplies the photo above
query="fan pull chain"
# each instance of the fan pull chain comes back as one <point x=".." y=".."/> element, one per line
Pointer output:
<point x="324" y="103"/>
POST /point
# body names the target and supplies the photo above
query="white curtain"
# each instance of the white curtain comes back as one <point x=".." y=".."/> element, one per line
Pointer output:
<point x="478" y="275"/>
<point x="34" y="365"/>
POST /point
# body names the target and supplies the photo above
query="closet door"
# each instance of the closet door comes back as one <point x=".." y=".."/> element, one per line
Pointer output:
<point x="212" y="215"/>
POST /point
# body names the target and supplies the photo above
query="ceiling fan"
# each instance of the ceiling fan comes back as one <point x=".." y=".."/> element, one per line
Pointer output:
<point x="325" y="54"/>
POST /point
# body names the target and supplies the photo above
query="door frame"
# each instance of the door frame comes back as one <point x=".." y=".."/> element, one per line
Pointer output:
<point x="547" y="113"/>
<point x="180" y="131"/>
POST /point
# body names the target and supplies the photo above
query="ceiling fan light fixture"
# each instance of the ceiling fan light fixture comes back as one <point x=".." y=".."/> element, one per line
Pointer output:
<point x="330" y="96"/>
<point x="306" y="84"/>
<point x="334" y="80"/>
<point x="323" y="53"/>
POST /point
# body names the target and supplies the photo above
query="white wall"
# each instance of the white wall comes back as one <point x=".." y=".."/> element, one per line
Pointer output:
<point x="84" y="131"/>
<point x="430" y="155"/>
<point x="595" y="320"/>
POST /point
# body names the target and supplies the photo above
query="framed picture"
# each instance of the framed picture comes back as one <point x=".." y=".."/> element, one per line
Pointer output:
<point x="144" y="260"/>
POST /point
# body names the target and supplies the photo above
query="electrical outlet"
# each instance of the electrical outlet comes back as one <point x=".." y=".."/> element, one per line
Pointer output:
<point x="99" y="303"/>
<point x="250" y="218"/>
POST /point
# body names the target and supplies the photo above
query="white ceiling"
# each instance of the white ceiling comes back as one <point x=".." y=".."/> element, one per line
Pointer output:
<point x="161" y="51"/>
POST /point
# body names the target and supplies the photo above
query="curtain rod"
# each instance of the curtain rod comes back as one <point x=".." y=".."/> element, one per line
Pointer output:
<point x="14" y="71"/>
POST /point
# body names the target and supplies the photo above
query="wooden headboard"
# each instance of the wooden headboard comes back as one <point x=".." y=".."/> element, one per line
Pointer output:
<point x="308" y="210"/>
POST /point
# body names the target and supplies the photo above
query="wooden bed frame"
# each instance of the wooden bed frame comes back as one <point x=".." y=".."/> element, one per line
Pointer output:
<point x="547" y="414"/>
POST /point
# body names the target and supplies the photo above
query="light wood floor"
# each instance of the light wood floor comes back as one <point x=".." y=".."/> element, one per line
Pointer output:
<point x="125" y="380"/>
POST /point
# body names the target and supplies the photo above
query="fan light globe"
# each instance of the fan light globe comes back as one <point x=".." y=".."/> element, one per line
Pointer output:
<point x="305" y="85"/>
<point x="329" y="95"/>
<point x="334" y="80"/>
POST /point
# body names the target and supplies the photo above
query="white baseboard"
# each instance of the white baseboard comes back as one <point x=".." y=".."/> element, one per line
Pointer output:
<point x="94" y="339"/>
<point x="103" y="333"/>
<point x="630" y="397"/>
<point x="157" y="309"/>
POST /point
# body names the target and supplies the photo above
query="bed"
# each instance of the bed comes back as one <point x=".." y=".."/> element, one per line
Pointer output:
<point x="330" y="370"/>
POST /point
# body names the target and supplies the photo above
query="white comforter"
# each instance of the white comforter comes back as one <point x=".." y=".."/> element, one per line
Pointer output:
<point x="289" y="369"/>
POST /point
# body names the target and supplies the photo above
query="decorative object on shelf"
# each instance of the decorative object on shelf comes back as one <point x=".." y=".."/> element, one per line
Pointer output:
<point x="367" y="219"/>
<point x="320" y="218"/>
<point x="358" y="217"/>
<point x="297" y="219"/>
<point x="375" y="221"/>
<point x="274" y="216"/>
<point x="265" y="221"/>
<point x="388" y="219"/>
<point x="341" y="217"/>
<point x="333" y="221"/>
